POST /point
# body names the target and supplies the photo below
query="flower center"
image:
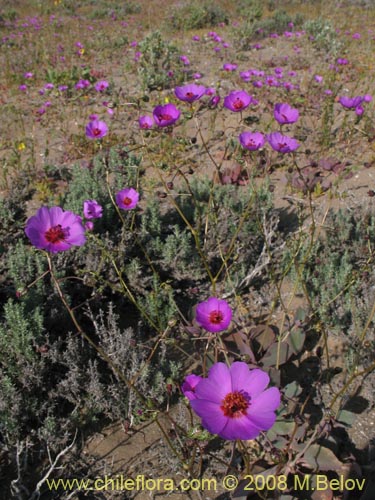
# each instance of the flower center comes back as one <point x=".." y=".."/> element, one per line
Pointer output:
<point x="250" y="143"/>
<point x="282" y="145"/>
<point x="190" y="95"/>
<point x="56" y="234"/>
<point x="127" y="200"/>
<point x="238" y="104"/>
<point x="216" y="317"/>
<point x="96" y="131"/>
<point x="164" y="117"/>
<point x="235" y="404"/>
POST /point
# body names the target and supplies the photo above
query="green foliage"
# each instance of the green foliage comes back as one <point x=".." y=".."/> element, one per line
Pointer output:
<point x="254" y="28"/>
<point x="115" y="171"/>
<point x="325" y="36"/>
<point x="214" y="214"/>
<point x="115" y="10"/>
<point x="18" y="335"/>
<point x="158" y="58"/>
<point x="335" y="269"/>
<point x="197" y="15"/>
<point x="250" y="10"/>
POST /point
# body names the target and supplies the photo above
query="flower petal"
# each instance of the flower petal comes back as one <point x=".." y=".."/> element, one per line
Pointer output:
<point x="239" y="428"/>
<point x="266" y="402"/>
<point x="212" y="417"/>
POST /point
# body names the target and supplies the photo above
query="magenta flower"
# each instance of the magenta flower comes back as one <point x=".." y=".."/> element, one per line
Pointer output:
<point x="285" y="114"/>
<point x="351" y="102"/>
<point x="214" y="315"/>
<point x="82" y="84"/>
<point x="96" y="129"/>
<point x="92" y="209"/>
<point x="166" y="115"/>
<point x="252" y="140"/>
<point x="234" y="402"/>
<point x="127" y="198"/>
<point x="237" y="100"/>
<point x="101" y="85"/>
<point x="282" y="143"/>
<point x="229" y="67"/>
<point x="55" y="230"/>
<point x="146" y="122"/>
<point x="185" y="60"/>
<point x="189" y="385"/>
<point x="189" y="93"/>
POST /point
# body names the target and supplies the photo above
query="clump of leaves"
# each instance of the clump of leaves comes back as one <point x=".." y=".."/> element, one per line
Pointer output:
<point x="197" y="15"/>
<point x="159" y="61"/>
<point x="324" y="35"/>
<point x="253" y="28"/>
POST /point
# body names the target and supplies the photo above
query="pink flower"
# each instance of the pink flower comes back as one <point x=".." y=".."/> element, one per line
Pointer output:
<point x="282" y="143"/>
<point x="189" y="93"/>
<point x="127" y="198"/>
<point x="233" y="402"/>
<point x="189" y="384"/>
<point x="237" y="101"/>
<point x="92" y="209"/>
<point x="252" y="140"/>
<point x="96" y="129"/>
<point x="214" y="315"/>
<point x="146" y="122"/>
<point x="55" y="230"/>
<point x="285" y="114"/>
<point x="166" y="115"/>
<point x="101" y="85"/>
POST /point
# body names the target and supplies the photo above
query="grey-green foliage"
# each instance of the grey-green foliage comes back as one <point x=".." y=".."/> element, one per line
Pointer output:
<point x="159" y="57"/>
<point x="214" y="212"/>
<point x="117" y="171"/>
<point x="338" y="272"/>
<point x="253" y="28"/>
<point x="324" y="35"/>
<point x="196" y="15"/>
<point x="250" y="10"/>
<point x="20" y="367"/>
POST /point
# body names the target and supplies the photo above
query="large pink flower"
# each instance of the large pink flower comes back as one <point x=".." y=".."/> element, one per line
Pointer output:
<point x="234" y="402"/>
<point x="55" y="230"/>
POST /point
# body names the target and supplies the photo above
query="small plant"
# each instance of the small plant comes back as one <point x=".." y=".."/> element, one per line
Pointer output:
<point x="324" y="36"/>
<point x="159" y="66"/>
<point x="196" y="15"/>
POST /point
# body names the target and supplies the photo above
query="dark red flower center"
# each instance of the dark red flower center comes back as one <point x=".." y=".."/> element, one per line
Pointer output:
<point x="235" y="404"/>
<point x="238" y="104"/>
<point x="56" y="234"/>
<point x="127" y="200"/>
<point x="216" y="317"/>
<point x="282" y="145"/>
<point x="250" y="143"/>
<point x="164" y="117"/>
<point x="96" y="131"/>
<point x="190" y="95"/>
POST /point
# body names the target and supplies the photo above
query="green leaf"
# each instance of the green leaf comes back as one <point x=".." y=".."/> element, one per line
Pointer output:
<point x="300" y="314"/>
<point x="292" y="390"/>
<point x="265" y="335"/>
<point x="296" y="340"/>
<point x="275" y="353"/>
<point x="319" y="458"/>
<point x="345" y="417"/>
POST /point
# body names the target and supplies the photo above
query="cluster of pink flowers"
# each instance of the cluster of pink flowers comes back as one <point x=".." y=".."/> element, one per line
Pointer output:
<point x="56" y="230"/>
<point x="284" y="114"/>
